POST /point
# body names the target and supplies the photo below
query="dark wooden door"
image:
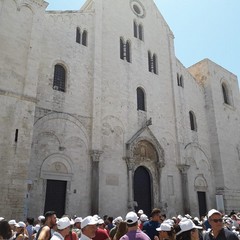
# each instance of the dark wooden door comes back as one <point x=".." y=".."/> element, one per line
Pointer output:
<point x="202" y="203"/>
<point x="142" y="190"/>
<point x="55" y="197"/>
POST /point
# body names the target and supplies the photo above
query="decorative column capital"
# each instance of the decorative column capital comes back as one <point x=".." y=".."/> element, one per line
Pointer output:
<point x="95" y="155"/>
<point x="183" y="168"/>
<point x="130" y="163"/>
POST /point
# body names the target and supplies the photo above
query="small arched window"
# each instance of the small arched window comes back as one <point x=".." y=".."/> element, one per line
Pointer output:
<point x="179" y="80"/>
<point x="140" y="99"/>
<point x="155" y="63"/>
<point x="193" y="121"/>
<point x="78" y="35"/>
<point x="59" y="78"/>
<point x="135" y="29"/>
<point x="128" y="51"/>
<point x="121" y="49"/>
<point x="84" y="38"/>
<point x="225" y="94"/>
<point x="140" y="30"/>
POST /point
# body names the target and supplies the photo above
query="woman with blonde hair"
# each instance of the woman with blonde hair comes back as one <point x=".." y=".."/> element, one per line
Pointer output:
<point x="122" y="230"/>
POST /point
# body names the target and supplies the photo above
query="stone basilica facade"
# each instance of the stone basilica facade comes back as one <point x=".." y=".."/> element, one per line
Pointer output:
<point x="99" y="116"/>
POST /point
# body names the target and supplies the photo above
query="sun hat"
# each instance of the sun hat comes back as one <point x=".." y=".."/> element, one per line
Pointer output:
<point x="131" y="218"/>
<point x="213" y="211"/>
<point x="187" y="225"/>
<point x="64" y="222"/>
<point x="89" y="220"/>
<point x="164" y="227"/>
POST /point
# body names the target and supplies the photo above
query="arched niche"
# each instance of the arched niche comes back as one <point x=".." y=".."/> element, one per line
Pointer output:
<point x="58" y="167"/>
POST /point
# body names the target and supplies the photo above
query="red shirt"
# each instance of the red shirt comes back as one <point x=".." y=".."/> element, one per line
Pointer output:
<point x="74" y="236"/>
<point x="101" y="234"/>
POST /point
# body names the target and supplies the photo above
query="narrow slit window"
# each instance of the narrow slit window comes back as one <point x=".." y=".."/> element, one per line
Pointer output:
<point x="149" y="62"/>
<point x="193" y="122"/>
<point x="140" y="99"/>
<point x="128" y="51"/>
<point x="84" y="38"/>
<point x="16" y="135"/>
<point x="154" y="63"/>
<point x="225" y="94"/>
<point x="140" y="29"/>
<point x="135" y="29"/>
<point x="121" y="49"/>
<point x="78" y="35"/>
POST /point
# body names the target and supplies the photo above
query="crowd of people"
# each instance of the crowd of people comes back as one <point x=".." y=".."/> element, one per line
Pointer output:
<point x="135" y="226"/>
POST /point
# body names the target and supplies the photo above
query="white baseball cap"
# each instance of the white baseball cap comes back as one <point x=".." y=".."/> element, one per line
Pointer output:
<point x="187" y="225"/>
<point x="64" y="223"/>
<point x="144" y="217"/>
<point x="100" y="221"/>
<point x="164" y="227"/>
<point x="89" y="220"/>
<point x="40" y="218"/>
<point x="12" y="222"/>
<point x="213" y="211"/>
<point x="131" y="218"/>
<point x="169" y="222"/>
<point x="117" y="220"/>
<point x="78" y="220"/>
<point x="140" y="211"/>
<point x="20" y="224"/>
<point x="1" y="218"/>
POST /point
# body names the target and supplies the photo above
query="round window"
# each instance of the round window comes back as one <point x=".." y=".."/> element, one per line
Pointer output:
<point x="137" y="8"/>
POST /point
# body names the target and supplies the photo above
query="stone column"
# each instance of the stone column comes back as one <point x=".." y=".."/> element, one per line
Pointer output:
<point x="130" y="166"/>
<point x="183" y="168"/>
<point x="159" y="167"/>
<point x="95" y="155"/>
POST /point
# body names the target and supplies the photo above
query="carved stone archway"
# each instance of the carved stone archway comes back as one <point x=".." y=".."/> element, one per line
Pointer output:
<point x="143" y="149"/>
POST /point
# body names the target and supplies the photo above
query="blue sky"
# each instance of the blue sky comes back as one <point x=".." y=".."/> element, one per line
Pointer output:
<point x="202" y="29"/>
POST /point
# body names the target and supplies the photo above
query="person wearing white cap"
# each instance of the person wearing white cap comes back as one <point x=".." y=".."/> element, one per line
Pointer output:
<point x="89" y="228"/>
<point x="165" y="232"/>
<point x="44" y="233"/>
<point x="41" y="220"/>
<point x="101" y="233"/>
<point x="116" y="223"/>
<point x="77" y="226"/>
<point x="12" y="224"/>
<point x="21" y="232"/>
<point x="63" y="226"/>
<point x="140" y="212"/>
<point x="133" y="231"/>
<point x="187" y="230"/>
<point x="218" y="232"/>
<point x="143" y="218"/>
<point x="149" y="227"/>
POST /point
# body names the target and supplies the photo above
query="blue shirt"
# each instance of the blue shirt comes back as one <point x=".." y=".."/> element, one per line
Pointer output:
<point x="149" y="228"/>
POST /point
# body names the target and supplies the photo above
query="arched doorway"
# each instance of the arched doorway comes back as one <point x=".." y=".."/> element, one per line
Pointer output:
<point x="143" y="190"/>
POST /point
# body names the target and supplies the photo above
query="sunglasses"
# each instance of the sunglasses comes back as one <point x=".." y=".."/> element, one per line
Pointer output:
<point x="217" y="220"/>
